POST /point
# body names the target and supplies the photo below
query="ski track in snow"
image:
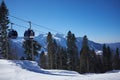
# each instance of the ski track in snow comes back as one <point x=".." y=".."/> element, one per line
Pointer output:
<point x="29" y="70"/>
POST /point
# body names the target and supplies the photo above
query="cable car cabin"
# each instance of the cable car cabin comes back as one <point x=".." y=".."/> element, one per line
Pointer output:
<point x="29" y="34"/>
<point x="13" y="34"/>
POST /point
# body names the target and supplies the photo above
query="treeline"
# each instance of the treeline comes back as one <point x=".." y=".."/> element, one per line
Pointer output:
<point x="85" y="61"/>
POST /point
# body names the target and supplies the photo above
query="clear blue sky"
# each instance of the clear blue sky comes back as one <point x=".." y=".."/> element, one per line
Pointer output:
<point x="98" y="19"/>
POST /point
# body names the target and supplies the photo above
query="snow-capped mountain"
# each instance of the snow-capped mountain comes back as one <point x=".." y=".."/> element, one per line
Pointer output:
<point x="61" y="40"/>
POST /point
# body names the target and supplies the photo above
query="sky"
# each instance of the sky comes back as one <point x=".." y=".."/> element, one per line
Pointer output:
<point x="98" y="19"/>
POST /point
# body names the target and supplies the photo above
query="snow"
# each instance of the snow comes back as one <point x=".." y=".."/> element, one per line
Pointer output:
<point x="29" y="70"/>
<point x="16" y="47"/>
<point x="98" y="52"/>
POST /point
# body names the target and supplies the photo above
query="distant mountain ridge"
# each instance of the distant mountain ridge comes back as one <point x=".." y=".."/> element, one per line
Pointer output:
<point x="61" y="40"/>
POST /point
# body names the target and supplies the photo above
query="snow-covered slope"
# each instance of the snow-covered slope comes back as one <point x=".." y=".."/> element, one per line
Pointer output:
<point x="29" y="70"/>
<point x="114" y="45"/>
<point x="61" y="40"/>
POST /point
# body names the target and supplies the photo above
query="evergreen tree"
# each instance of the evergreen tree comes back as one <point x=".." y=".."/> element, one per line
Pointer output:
<point x="31" y="46"/>
<point x="55" y="51"/>
<point x="116" y="60"/>
<point x="72" y="51"/>
<point x="64" y="58"/>
<point x="75" y="53"/>
<point x="92" y="61"/>
<point x="43" y="60"/>
<point x="51" y="53"/>
<point x="4" y="21"/>
<point x="61" y="58"/>
<point x="84" y="56"/>
<point x="107" y="58"/>
<point x="99" y="64"/>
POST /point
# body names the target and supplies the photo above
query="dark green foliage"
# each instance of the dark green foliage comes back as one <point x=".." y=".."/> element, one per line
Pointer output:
<point x="84" y="56"/>
<point x="99" y="64"/>
<point x="92" y="62"/>
<point x="72" y="51"/>
<point x="55" y="51"/>
<point x="116" y="60"/>
<point x="4" y="21"/>
<point x="107" y="58"/>
<point x="51" y="51"/>
<point x="31" y="46"/>
<point x="57" y="56"/>
<point x="61" y="58"/>
<point x="43" y="60"/>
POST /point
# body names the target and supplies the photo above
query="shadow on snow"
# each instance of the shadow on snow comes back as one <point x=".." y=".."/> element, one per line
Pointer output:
<point x="33" y="66"/>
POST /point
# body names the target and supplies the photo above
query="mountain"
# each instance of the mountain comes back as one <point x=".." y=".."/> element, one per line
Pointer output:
<point x="29" y="70"/>
<point x="16" y="44"/>
<point x="61" y="40"/>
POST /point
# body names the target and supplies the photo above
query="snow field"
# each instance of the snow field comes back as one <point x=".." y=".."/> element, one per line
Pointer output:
<point x="29" y="70"/>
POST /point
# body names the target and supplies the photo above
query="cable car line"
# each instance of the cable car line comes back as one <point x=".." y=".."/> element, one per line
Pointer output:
<point x="35" y="24"/>
<point x="18" y="18"/>
<point x="27" y="27"/>
<point x="46" y="28"/>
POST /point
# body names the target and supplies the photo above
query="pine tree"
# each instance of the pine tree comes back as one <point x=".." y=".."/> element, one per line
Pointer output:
<point x="116" y="60"/>
<point x="61" y="58"/>
<point x="99" y="64"/>
<point x="54" y="51"/>
<point x="84" y="56"/>
<point x="92" y="61"/>
<point x="31" y="46"/>
<point x="75" y="53"/>
<point x="64" y="58"/>
<point x="4" y="21"/>
<point x="69" y="50"/>
<point x="107" y="58"/>
<point x="51" y="53"/>
<point x="72" y="51"/>
<point x="43" y="60"/>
